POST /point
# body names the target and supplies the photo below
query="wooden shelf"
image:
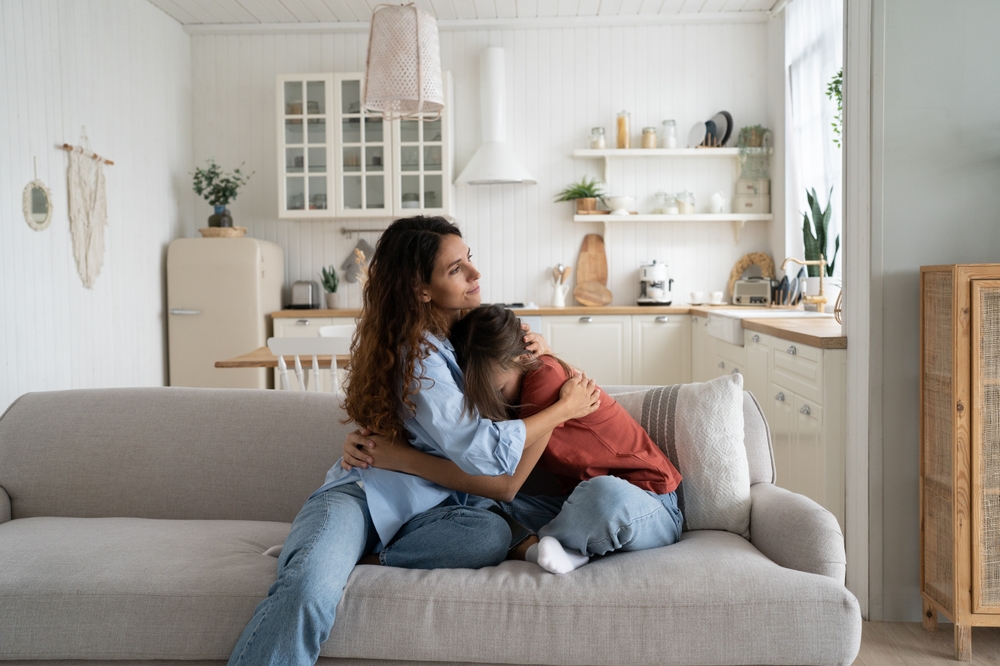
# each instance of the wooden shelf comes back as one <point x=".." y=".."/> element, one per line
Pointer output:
<point x="737" y="219"/>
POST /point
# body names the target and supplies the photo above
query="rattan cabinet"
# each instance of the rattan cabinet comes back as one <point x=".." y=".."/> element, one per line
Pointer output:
<point x="960" y="448"/>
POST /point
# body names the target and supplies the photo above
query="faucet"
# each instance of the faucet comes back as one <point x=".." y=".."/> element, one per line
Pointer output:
<point x="819" y="299"/>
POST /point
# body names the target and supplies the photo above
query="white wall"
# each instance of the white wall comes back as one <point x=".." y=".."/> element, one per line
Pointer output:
<point x="940" y="204"/>
<point x="560" y="83"/>
<point x="122" y="69"/>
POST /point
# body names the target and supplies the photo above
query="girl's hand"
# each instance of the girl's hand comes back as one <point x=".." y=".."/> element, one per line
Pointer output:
<point x="580" y="396"/>
<point x="355" y="447"/>
<point x="534" y="342"/>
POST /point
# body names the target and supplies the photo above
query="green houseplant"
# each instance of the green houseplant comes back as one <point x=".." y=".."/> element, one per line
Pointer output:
<point x="835" y="91"/>
<point x="219" y="189"/>
<point x="816" y="244"/>
<point x="330" y="283"/>
<point x="585" y="193"/>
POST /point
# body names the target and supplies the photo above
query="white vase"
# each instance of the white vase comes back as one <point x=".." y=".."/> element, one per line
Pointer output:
<point x="332" y="300"/>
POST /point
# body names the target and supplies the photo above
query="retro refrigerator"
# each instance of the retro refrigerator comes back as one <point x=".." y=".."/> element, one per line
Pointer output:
<point x="220" y="294"/>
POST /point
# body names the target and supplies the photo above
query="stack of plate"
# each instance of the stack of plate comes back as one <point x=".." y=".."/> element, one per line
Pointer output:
<point x="714" y="132"/>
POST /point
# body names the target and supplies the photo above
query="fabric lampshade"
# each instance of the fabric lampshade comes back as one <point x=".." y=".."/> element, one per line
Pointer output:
<point x="403" y="71"/>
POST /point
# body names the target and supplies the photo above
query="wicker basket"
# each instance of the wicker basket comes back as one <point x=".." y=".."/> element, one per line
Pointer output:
<point x="223" y="232"/>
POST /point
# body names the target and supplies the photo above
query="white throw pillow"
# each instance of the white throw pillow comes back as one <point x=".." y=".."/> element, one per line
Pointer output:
<point x="700" y="428"/>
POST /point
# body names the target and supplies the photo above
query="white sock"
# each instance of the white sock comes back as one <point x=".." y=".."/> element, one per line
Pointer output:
<point x="555" y="559"/>
<point x="531" y="555"/>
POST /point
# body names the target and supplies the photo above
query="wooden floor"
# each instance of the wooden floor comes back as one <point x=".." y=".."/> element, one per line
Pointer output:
<point x="907" y="644"/>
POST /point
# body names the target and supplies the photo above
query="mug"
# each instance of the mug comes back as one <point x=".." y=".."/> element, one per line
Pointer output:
<point x="717" y="204"/>
<point x="715" y="297"/>
<point x="697" y="297"/>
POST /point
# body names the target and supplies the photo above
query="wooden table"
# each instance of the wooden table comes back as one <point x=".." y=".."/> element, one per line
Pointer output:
<point x="263" y="358"/>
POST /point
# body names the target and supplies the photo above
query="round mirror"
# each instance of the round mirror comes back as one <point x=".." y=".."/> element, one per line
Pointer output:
<point x="37" y="205"/>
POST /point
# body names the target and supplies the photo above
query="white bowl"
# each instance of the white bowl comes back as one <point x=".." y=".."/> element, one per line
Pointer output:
<point x="619" y="205"/>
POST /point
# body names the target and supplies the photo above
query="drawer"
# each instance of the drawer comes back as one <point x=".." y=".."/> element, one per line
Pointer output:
<point x="799" y="367"/>
<point x="727" y="366"/>
<point x="735" y="354"/>
<point x="303" y="327"/>
<point x="753" y="342"/>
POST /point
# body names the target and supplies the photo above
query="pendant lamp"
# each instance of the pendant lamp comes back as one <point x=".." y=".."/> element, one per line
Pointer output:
<point x="403" y="69"/>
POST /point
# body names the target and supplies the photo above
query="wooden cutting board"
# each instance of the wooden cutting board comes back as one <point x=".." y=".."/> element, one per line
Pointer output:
<point x="592" y="293"/>
<point x="593" y="263"/>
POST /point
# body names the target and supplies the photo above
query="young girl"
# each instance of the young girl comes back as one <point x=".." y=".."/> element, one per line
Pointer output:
<point x="621" y="486"/>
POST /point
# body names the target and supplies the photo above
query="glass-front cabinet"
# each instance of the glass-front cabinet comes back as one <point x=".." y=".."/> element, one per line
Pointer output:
<point x="337" y="160"/>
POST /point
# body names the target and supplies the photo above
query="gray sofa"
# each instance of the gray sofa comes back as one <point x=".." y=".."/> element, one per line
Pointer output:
<point x="133" y="524"/>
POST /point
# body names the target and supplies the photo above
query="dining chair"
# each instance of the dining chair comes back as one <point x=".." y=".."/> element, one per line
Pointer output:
<point x="314" y="347"/>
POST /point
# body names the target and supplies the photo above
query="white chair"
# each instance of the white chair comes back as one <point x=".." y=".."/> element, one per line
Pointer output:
<point x="314" y="347"/>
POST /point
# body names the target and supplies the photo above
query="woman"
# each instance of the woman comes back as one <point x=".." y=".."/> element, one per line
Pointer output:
<point x="623" y="488"/>
<point x="403" y="381"/>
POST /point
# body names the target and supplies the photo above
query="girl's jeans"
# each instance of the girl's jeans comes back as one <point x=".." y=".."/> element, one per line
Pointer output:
<point x="602" y="515"/>
<point x="331" y="533"/>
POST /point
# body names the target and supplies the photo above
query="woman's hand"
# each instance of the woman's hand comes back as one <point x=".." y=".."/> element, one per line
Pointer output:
<point x="365" y="449"/>
<point x="534" y="342"/>
<point x="579" y="396"/>
<point x="355" y="447"/>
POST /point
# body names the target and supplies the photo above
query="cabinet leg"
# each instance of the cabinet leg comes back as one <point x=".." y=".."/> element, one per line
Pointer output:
<point x="929" y="619"/>
<point x="963" y="642"/>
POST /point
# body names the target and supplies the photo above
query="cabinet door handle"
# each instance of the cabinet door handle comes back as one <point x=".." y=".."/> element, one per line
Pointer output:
<point x="792" y="350"/>
<point x="302" y="322"/>
<point x="694" y="320"/>
<point x="755" y="338"/>
<point x="736" y="371"/>
<point x="179" y="311"/>
<point x="780" y="397"/>
<point x="662" y="319"/>
<point x="586" y="320"/>
<point x="722" y="364"/>
<point x="805" y="410"/>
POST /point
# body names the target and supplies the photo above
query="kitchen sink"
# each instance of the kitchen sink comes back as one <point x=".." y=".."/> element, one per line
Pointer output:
<point x="727" y="325"/>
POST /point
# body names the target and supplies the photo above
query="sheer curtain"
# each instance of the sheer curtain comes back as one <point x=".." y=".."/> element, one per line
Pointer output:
<point x="814" y="37"/>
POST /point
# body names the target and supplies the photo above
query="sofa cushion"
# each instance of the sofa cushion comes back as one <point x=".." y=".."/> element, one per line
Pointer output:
<point x="130" y="588"/>
<point x="700" y="428"/>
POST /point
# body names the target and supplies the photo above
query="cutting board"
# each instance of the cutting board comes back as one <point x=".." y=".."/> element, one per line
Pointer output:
<point x="592" y="293"/>
<point x="593" y="264"/>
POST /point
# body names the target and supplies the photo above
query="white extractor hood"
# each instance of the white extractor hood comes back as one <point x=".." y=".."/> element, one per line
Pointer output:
<point x="494" y="163"/>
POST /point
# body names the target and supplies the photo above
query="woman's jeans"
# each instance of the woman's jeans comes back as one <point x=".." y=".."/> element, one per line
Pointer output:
<point x="331" y="533"/>
<point x="602" y="515"/>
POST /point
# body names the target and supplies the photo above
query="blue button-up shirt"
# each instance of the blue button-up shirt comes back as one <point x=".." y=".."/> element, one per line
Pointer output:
<point x="439" y="426"/>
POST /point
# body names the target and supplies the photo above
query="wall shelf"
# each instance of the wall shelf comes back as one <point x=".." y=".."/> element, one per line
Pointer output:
<point x="737" y="219"/>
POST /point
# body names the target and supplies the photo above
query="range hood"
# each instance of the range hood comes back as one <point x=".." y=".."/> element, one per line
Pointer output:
<point x="494" y="163"/>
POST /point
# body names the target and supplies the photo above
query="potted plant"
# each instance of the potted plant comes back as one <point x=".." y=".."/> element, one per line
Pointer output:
<point x="585" y="194"/>
<point x="330" y="283"/>
<point x="816" y="244"/>
<point x="219" y="189"/>
<point x="752" y="136"/>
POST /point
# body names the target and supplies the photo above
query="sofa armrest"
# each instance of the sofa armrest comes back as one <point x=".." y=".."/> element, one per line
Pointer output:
<point x="4" y="506"/>
<point x="796" y="532"/>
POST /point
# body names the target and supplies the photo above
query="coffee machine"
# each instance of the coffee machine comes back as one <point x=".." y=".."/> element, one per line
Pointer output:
<point x="655" y="285"/>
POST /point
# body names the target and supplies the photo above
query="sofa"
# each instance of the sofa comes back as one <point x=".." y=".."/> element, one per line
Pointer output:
<point x="133" y="526"/>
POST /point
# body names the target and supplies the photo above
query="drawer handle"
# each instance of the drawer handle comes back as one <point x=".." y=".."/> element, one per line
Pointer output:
<point x="792" y="350"/>
<point x="780" y="397"/>
<point x="736" y="371"/>
<point x="586" y="320"/>
<point x="755" y="338"/>
<point x="179" y="311"/>
<point x="722" y="364"/>
<point x="662" y="319"/>
<point x="805" y="410"/>
<point x="302" y="322"/>
<point x="694" y="320"/>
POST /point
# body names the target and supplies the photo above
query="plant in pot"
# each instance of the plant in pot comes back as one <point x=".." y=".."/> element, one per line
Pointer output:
<point x="585" y="194"/>
<point x="816" y="245"/>
<point x="219" y="189"/>
<point x="330" y="283"/>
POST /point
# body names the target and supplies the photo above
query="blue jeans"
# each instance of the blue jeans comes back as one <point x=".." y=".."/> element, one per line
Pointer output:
<point x="602" y="515"/>
<point x="331" y="533"/>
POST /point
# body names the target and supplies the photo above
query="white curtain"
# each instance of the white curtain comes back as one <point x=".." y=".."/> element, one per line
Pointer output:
<point x="814" y="38"/>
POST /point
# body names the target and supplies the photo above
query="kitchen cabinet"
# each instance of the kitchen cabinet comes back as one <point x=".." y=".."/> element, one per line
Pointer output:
<point x="757" y="378"/>
<point x="336" y="159"/>
<point x="702" y="350"/>
<point x="600" y="345"/>
<point x="660" y="345"/>
<point x="304" y="327"/>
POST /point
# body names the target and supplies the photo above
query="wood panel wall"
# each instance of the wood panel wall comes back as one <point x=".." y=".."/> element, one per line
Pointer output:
<point x="123" y="70"/>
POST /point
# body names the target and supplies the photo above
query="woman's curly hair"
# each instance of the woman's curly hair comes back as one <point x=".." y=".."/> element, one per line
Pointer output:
<point x="389" y="341"/>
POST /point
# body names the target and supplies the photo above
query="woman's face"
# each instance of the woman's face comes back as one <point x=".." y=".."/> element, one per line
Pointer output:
<point x="454" y="283"/>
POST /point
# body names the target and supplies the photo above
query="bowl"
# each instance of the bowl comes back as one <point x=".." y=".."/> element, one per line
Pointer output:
<point x="619" y="205"/>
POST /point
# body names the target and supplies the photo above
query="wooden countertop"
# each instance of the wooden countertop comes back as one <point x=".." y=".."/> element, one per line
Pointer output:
<point x="824" y="333"/>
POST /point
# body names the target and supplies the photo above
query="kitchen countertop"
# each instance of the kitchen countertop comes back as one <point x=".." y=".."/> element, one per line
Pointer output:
<point x="824" y="333"/>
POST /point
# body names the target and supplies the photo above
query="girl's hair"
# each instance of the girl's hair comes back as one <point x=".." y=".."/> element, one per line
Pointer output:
<point x="389" y="340"/>
<point x="488" y="340"/>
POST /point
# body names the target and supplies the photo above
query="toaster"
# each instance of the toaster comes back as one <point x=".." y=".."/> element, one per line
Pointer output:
<point x="305" y="295"/>
<point x="752" y="291"/>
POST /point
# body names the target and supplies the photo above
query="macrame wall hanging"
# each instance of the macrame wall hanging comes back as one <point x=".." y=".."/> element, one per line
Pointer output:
<point x="88" y="208"/>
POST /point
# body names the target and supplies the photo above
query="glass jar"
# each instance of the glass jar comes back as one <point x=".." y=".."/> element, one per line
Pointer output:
<point x="685" y="202"/>
<point x="597" y="138"/>
<point x="623" y="140"/>
<point x="649" y="137"/>
<point x="659" y="202"/>
<point x="669" y="134"/>
<point x="671" y="207"/>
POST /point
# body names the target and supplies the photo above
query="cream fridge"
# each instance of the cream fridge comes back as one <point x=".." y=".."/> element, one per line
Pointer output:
<point x="220" y="294"/>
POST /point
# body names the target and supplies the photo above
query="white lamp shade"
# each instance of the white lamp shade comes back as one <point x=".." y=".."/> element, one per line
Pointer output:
<point x="403" y="72"/>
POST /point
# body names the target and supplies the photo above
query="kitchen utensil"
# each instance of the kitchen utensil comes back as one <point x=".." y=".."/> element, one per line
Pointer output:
<point x="562" y="269"/>
<point x="717" y="204"/>
<point x="697" y="135"/>
<point x="593" y="264"/>
<point x="781" y="291"/>
<point x="655" y="284"/>
<point x="592" y="293"/>
<point x="793" y="291"/>
<point x="696" y="297"/>
<point x="566" y="272"/>
<point x="555" y="275"/>
<point x="559" y="295"/>
<point x="305" y="295"/>
<point x="715" y="297"/>
<point x="619" y="205"/>
<point x="723" y="127"/>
